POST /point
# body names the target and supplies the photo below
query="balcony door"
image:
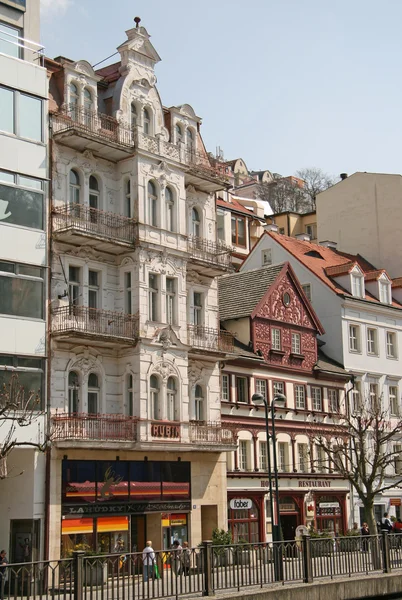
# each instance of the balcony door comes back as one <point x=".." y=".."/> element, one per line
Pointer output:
<point x="93" y="199"/>
<point x="93" y="394"/>
<point x="73" y="393"/>
<point x="196" y="316"/>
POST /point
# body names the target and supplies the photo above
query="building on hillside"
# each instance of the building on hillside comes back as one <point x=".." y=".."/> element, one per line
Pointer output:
<point x="139" y="450"/>
<point x="23" y="271"/>
<point x="299" y="225"/>
<point x="361" y="214"/>
<point x="360" y="309"/>
<point x="276" y="351"/>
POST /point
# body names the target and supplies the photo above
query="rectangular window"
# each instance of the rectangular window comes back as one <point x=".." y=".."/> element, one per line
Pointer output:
<point x="220" y="224"/>
<point x="74" y="287"/>
<point x="93" y="289"/>
<point x="372" y="347"/>
<point x="278" y="387"/>
<point x="276" y="338"/>
<point x="300" y="397"/>
<point x="225" y="387"/>
<point x="303" y="457"/>
<point x="354" y="338"/>
<point x="385" y="292"/>
<point x="283" y="463"/>
<point x="310" y="230"/>
<point x="263" y="456"/>
<point x="266" y="257"/>
<point x="357" y="286"/>
<point x="170" y="301"/>
<point x="296" y="343"/>
<point x="196" y="309"/>
<point x="21" y="114"/>
<point x="127" y="293"/>
<point x="242" y="389"/>
<point x="333" y="401"/>
<point x="306" y="287"/>
<point x="397" y="459"/>
<point x="393" y="400"/>
<point x="9" y="40"/>
<point x="21" y="200"/>
<point x="261" y="387"/>
<point x="391" y="345"/>
<point x="356" y="398"/>
<point x="243" y="455"/>
<point x="316" y="397"/>
<point x="153" y="291"/>
<point x="21" y="290"/>
<point x="239" y="231"/>
<point x="130" y="395"/>
<point x="29" y="379"/>
<point x="373" y="396"/>
<point x="321" y="459"/>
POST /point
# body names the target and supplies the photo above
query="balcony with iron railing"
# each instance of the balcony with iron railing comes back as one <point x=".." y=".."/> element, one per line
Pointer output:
<point x="83" y="427"/>
<point x="209" y="339"/>
<point x="204" y="433"/>
<point x="83" y="225"/>
<point x="209" y="257"/>
<point x="96" y="325"/>
<point x="84" y="129"/>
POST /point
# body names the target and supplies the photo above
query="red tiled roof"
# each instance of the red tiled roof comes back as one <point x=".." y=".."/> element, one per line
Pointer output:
<point x="323" y="259"/>
<point x="110" y="73"/>
<point x="397" y="282"/>
<point x="337" y="270"/>
<point x="374" y="275"/>
<point x="234" y="205"/>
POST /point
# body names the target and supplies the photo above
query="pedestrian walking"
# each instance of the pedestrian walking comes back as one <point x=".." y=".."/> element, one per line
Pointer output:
<point x="148" y="562"/>
<point x="177" y="557"/>
<point x="186" y="559"/>
<point x="386" y="524"/>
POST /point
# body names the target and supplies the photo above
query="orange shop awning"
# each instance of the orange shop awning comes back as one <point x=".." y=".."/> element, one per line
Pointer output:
<point x="70" y="526"/>
<point x="105" y="524"/>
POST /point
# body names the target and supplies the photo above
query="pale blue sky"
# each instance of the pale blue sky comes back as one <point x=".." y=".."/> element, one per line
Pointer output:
<point x="285" y="84"/>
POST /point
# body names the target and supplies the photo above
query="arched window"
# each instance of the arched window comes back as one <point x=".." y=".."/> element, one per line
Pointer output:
<point x="171" y="399"/>
<point x="154" y="393"/>
<point x="199" y="403"/>
<point x="93" y="394"/>
<point x="152" y="204"/>
<point x="73" y="392"/>
<point x="195" y="223"/>
<point x="133" y="115"/>
<point x="190" y="140"/>
<point x="147" y="122"/>
<point x="130" y="395"/>
<point x="88" y="104"/>
<point x="75" y="187"/>
<point x="169" y="204"/>
<point x="179" y="134"/>
<point x="74" y="98"/>
<point x="127" y="199"/>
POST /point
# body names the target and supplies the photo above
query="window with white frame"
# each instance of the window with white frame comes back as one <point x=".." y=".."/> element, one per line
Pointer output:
<point x="243" y="455"/>
<point x="300" y="397"/>
<point x="10" y="40"/>
<point x="306" y="287"/>
<point x="170" y="300"/>
<point x="391" y="344"/>
<point x="93" y="394"/>
<point x="356" y="398"/>
<point x="179" y="134"/>
<point x="128" y="306"/>
<point x="276" y="338"/>
<point x="127" y="199"/>
<point x="73" y="393"/>
<point x="74" y="101"/>
<point x="146" y="116"/>
<point x="21" y="290"/>
<point x="93" y="291"/>
<point x="266" y="257"/>
<point x="153" y="296"/>
<point x="75" y="187"/>
<point x="154" y="396"/>
<point x="153" y="202"/>
<point x="130" y="395"/>
<point x="30" y="373"/>
<point x="393" y="400"/>
<point x="190" y="141"/>
<point x="241" y="389"/>
<point x="24" y="200"/>
<point x="220" y="224"/>
<point x="357" y="285"/>
<point x="302" y="450"/>
<point x="333" y="400"/>
<point x="263" y="463"/>
<point x="169" y="209"/>
<point x="199" y="403"/>
<point x="74" y="287"/>
<point x="21" y="114"/>
<point x="372" y="345"/>
<point x="354" y="338"/>
<point x="195" y="223"/>
<point x="261" y="387"/>
<point x="296" y="343"/>
<point x="320" y="464"/>
<point x="310" y="229"/>
<point x="225" y="387"/>
<point x="196" y="309"/>
<point x="171" y="399"/>
<point x="397" y="452"/>
<point x="316" y="397"/>
<point x="283" y="457"/>
<point x="373" y="397"/>
<point x="385" y="292"/>
<point x="278" y="388"/>
<point x="88" y="105"/>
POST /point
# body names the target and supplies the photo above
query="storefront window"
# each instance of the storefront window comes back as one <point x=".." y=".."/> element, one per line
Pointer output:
<point x="243" y="524"/>
<point x="329" y="514"/>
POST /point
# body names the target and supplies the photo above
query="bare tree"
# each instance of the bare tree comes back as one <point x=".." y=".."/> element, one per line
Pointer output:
<point x="282" y="194"/>
<point x="18" y="409"/>
<point x="362" y="447"/>
<point x="315" y="181"/>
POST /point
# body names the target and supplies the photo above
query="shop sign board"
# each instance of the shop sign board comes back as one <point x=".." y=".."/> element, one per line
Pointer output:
<point x="329" y="505"/>
<point x="121" y="509"/>
<point x="241" y="503"/>
<point x="395" y="501"/>
<point x="161" y="430"/>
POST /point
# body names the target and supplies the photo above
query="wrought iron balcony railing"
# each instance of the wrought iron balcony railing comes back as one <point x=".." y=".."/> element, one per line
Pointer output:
<point x="206" y="338"/>
<point x="91" y="221"/>
<point x="216" y="253"/>
<point x="90" y="122"/>
<point x="83" y="320"/>
<point x="93" y="427"/>
<point x="204" y="164"/>
<point x="157" y="146"/>
<point x="207" y="433"/>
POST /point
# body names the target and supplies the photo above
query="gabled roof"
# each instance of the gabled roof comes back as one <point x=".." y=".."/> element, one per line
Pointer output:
<point x="397" y="282"/>
<point x="376" y="275"/>
<point x="235" y="206"/>
<point x="337" y="270"/>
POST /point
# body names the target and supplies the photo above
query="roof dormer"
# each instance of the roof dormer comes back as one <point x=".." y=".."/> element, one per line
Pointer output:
<point x="350" y="276"/>
<point x="379" y="285"/>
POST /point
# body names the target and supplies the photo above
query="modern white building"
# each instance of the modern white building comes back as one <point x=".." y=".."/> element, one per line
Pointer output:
<point x="139" y="451"/>
<point x="23" y="268"/>
<point x="360" y="309"/>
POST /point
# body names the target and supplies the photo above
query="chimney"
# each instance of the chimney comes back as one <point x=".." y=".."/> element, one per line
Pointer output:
<point x="343" y="176"/>
<point x="271" y="227"/>
<point x="303" y="237"/>
<point x="328" y="244"/>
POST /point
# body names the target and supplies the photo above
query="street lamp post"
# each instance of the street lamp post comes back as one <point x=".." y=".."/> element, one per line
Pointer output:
<point x="275" y="516"/>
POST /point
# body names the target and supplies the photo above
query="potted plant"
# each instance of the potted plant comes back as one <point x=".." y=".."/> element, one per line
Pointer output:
<point x="322" y="542"/>
<point x="221" y="542"/>
<point x="95" y="567"/>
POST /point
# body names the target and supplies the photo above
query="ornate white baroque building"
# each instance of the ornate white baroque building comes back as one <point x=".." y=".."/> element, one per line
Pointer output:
<point x="138" y="449"/>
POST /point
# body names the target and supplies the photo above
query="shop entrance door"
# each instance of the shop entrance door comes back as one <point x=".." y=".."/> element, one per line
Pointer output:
<point x="174" y="527"/>
<point x="288" y="524"/>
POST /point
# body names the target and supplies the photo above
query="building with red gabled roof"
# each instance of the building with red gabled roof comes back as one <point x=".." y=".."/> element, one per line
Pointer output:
<point x="360" y="308"/>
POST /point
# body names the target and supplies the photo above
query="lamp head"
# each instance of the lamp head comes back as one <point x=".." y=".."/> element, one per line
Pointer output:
<point x="258" y="399"/>
<point x="279" y="399"/>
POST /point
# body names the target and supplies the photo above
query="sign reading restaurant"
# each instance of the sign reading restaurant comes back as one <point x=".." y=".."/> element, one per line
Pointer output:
<point x="307" y="483"/>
